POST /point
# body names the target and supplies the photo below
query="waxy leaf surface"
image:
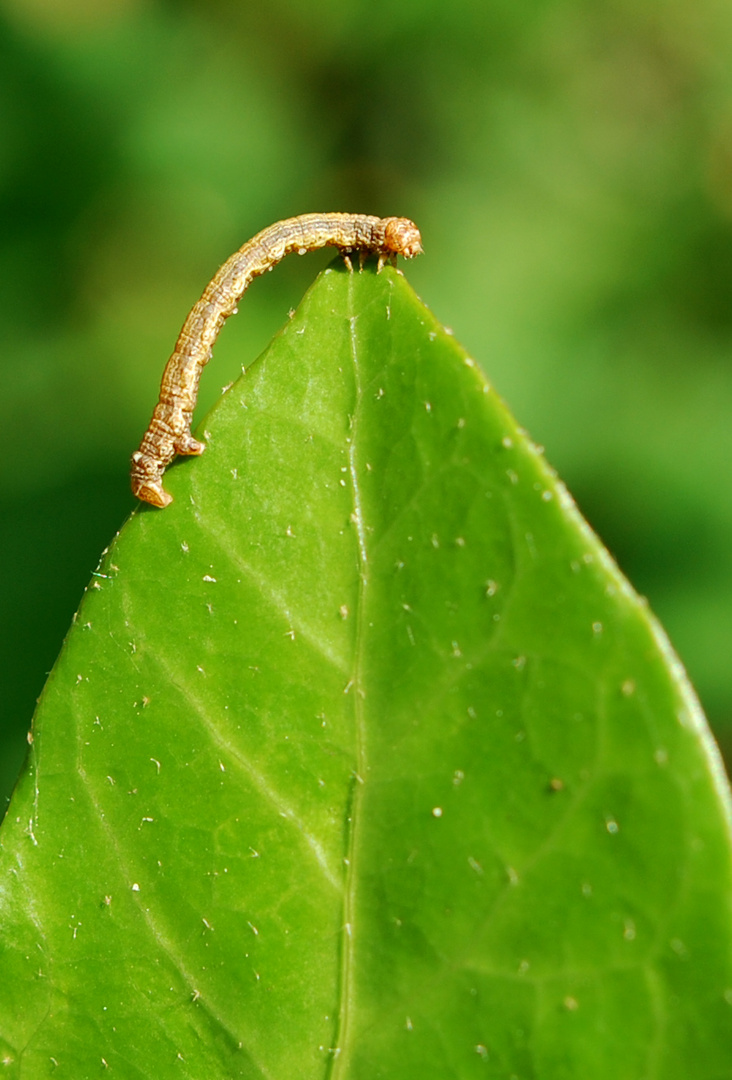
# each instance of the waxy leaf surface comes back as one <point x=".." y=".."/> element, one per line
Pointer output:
<point x="362" y="760"/>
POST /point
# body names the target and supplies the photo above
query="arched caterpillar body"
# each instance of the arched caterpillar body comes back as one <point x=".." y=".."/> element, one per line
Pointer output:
<point x="169" y="432"/>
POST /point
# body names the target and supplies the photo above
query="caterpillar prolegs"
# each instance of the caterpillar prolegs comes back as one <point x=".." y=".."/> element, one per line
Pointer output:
<point x="169" y="432"/>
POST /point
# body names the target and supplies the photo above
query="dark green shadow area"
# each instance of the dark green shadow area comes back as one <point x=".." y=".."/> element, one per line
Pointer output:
<point x="49" y="545"/>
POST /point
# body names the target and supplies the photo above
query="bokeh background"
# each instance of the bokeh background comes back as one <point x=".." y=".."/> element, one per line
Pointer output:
<point x="569" y="163"/>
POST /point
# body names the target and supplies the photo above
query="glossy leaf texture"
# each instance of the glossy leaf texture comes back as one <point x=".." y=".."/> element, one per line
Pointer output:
<point x="362" y="759"/>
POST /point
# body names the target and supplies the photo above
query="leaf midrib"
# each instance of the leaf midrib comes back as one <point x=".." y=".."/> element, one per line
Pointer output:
<point x="338" y="1064"/>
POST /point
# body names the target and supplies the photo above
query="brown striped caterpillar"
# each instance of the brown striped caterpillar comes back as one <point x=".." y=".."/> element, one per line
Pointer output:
<point x="169" y="432"/>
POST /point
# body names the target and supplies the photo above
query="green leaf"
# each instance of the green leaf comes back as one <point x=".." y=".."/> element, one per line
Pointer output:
<point x="363" y="760"/>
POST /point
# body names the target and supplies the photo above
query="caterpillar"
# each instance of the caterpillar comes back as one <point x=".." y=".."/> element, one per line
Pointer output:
<point x="169" y="431"/>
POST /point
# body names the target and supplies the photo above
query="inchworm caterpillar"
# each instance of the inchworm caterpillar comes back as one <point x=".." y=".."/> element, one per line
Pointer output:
<point x="169" y="432"/>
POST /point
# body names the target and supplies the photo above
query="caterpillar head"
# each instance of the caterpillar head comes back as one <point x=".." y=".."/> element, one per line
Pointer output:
<point x="401" y="237"/>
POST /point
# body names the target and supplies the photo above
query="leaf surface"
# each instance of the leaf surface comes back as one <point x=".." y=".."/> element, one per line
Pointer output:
<point x="362" y="759"/>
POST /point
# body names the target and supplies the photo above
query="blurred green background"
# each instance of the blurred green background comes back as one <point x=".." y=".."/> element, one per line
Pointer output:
<point x="570" y="165"/>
